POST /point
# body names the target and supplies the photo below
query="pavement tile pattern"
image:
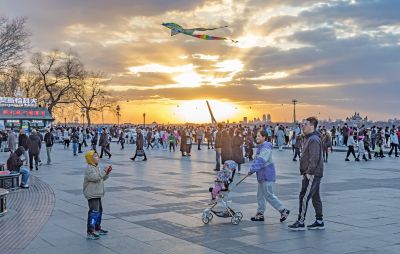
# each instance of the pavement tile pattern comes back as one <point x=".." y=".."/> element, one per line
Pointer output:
<point x="155" y="207"/>
<point x="28" y="211"/>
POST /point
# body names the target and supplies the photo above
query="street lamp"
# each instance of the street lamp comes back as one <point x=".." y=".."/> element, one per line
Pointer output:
<point x="294" y="110"/>
<point x="118" y="109"/>
<point x="144" y="120"/>
<point x="83" y="117"/>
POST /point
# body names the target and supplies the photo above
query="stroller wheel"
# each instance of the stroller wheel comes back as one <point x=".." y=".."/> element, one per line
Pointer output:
<point x="235" y="220"/>
<point x="205" y="220"/>
<point x="240" y="215"/>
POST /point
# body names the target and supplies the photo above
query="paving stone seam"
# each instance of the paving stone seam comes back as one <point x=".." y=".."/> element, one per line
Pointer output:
<point x="32" y="208"/>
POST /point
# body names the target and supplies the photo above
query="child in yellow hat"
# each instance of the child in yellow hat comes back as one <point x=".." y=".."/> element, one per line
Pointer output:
<point x="93" y="189"/>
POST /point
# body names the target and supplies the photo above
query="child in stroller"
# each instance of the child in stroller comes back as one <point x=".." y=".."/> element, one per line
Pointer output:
<point x="224" y="178"/>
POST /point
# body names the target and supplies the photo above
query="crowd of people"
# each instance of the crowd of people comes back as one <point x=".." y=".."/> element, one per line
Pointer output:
<point x="232" y="144"/>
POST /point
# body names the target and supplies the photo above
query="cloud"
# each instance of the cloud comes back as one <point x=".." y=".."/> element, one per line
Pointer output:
<point x="205" y="57"/>
<point x="294" y="86"/>
<point x="319" y="52"/>
<point x="271" y="75"/>
<point x="161" y="68"/>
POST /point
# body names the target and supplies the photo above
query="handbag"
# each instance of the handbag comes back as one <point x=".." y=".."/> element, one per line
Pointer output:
<point x="140" y="152"/>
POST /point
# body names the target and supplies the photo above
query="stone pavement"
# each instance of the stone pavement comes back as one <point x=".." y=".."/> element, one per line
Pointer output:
<point x="155" y="207"/>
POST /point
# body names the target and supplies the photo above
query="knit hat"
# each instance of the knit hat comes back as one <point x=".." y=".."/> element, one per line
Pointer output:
<point x="230" y="164"/>
<point x="89" y="158"/>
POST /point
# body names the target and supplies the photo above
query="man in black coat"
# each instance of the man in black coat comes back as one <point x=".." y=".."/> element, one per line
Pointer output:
<point x="104" y="144"/>
<point x="23" y="141"/>
<point x="34" y="145"/>
<point x="312" y="170"/>
<point x="345" y="133"/>
<point x="94" y="140"/>
<point x="218" y="147"/>
<point x="49" y="140"/>
<point x="139" y="145"/>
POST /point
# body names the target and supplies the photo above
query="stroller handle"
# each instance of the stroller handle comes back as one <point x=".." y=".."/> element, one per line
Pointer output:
<point x="241" y="180"/>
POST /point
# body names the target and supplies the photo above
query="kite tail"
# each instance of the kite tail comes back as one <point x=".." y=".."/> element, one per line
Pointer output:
<point x="209" y="37"/>
<point x="206" y="29"/>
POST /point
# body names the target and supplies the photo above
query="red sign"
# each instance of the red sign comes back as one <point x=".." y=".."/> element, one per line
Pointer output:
<point x="18" y="112"/>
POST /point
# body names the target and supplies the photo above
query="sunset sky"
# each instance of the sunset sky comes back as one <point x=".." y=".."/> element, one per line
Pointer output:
<point x="335" y="57"/>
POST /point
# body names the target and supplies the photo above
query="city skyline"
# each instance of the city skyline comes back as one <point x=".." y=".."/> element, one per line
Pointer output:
<point x="333" y="57"/>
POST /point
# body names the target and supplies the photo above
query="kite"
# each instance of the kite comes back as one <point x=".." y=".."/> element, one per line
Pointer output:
<point x="177" y="29"/>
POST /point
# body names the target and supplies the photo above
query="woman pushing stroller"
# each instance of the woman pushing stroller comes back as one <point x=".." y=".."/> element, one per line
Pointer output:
<point x="264" y="167"/>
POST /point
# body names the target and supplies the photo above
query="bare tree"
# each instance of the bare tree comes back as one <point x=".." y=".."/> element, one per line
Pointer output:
<point x="13" y="42"/>
<point x="32" y="87"/>
<point x="90" y="94"/>
<point x="59" y="74"/>
<point x="66" y="113"/>
<point x="9" y="82"/>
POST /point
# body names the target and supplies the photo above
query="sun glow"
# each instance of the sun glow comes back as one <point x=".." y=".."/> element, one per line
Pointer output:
<point x="196" y="111"/>
<point x="189" y="79"/>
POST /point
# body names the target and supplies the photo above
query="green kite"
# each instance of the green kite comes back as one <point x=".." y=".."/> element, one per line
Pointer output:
<point x="177" y="29"/>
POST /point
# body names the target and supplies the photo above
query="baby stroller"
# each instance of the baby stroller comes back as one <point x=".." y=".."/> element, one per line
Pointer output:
<point x="222" y="201"/>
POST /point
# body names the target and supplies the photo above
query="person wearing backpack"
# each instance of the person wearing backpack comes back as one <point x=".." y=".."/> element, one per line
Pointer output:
<point x="49" y="140"/>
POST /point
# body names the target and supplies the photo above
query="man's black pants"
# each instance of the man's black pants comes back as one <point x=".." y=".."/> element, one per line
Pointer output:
<point x="310" y="190"/>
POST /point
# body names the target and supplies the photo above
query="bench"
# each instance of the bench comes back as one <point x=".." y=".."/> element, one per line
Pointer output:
<point x="3" y="202"/>
<point x="9" y="181"/>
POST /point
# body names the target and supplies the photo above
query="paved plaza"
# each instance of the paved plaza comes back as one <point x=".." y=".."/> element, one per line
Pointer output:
<point x="156" y="206"/>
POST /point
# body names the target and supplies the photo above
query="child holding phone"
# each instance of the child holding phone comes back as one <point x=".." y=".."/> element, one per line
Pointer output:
<point x="93" y="189"/>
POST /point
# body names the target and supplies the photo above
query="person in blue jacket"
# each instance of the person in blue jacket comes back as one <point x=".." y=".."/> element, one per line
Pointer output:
<point x="264" y="167"/>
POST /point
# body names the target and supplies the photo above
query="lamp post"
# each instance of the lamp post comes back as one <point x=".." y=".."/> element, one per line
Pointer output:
<point x="144" y="120"/>
<point x="118" y="109"/>
<point x="294" y="110"/>
<point x="65" y="122"/>
<point x="83" y="117"/>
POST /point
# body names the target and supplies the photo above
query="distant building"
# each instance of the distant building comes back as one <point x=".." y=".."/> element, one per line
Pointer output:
<point x="356" y="120"/>
<point x="245" y="119"/>
<point x="264" y="118"/>
<point x="269" y="118"/>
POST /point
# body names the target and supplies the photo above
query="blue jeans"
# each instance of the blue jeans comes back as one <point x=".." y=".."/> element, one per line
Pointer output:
<point x="74" y="147"/>
<point x="24" y="171"/>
